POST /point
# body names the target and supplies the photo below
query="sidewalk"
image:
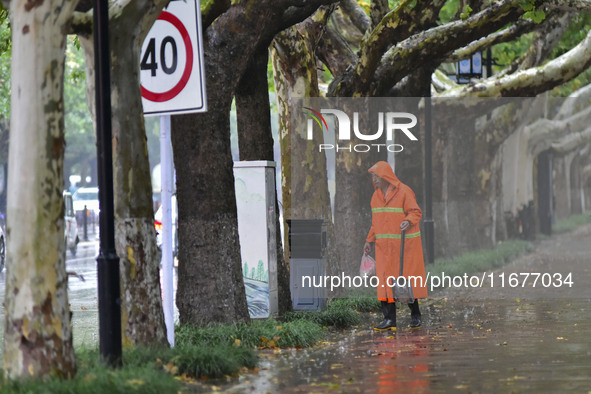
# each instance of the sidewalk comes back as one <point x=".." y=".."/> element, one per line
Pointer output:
<point x="489" y="339"/>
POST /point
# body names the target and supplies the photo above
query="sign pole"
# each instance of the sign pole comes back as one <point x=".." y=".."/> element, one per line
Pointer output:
<point x="166" y="180"/>
<point x="109" y="296"/>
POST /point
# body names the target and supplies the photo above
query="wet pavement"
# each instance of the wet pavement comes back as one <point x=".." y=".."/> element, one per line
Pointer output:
<point x="524" y="338"/>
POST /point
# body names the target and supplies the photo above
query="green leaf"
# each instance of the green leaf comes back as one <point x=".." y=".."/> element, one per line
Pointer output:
<point x="466" y="12"/>
<point x="536" y="16"/>
<point x="527" y="5"/>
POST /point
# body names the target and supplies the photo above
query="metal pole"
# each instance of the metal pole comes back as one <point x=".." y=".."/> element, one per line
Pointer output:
<point x="488" y="63"/>
<point x="109" y="295"/>
<point x="428" y="222"/>
<point x="85" y="221"/>
<point x="166" y="175"/>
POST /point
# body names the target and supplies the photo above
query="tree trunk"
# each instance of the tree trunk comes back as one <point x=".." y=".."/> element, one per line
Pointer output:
<point x="304" y="172"/>
<point x="38" y="330"/>
<point x="255" y="141"/>
<point x="209" y="248"/>
<point x="209" y="252"/>
<point x="142" y="317"/>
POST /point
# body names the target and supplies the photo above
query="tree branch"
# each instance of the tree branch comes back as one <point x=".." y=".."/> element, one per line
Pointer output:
<point x="396" y="26"/>
<point x="570" y="5"/>
<point x="210" y="10"/>
<point x="442" y="82"/>
<point x="334" y="52"/>
<point x="430" y="46"/>
<point x="547" y="37"/>
<point x="356" y="14"/>
<point x="572" y="141"/>
<point x="532" y="81"/>
<point x="378" y="9"/>
<point x="509" y="34"/>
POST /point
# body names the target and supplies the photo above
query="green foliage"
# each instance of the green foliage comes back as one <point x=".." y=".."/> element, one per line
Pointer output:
<point x="537" y="16"/>
<point x="571" y="223"/>
<point x="529" y="7"/>
<point x="195" y="361"/>
<point x="576" y="32"/>
<point x="258" y="334"/>
<point x="359" y="304"/>
<point x="506" y="53"/>
<point x="466" y="12"/>
<point x="5" y="55"/>
<point x="144" y="376"/>
<point x="80" y="138"/>
<point x="338" y="314"/>
<point x="480" y="260"/>
<point x="449" y="11"/>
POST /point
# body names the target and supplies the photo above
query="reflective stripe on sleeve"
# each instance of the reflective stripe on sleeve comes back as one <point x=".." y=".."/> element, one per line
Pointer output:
<point x="387" y="209"/>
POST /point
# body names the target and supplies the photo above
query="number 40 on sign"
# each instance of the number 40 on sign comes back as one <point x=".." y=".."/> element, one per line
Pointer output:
<point x="171" y="67"/>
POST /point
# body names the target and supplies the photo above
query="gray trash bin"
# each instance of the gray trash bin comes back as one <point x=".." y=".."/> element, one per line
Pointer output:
<point x="307" y="252"/>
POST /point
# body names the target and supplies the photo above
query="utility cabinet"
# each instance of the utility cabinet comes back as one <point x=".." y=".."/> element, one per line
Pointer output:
<point x="254" y="183"/>
<point x="307" y="263"/>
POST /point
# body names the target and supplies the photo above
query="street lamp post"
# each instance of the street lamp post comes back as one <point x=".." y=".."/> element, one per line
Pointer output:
<point x="109" y="296"/>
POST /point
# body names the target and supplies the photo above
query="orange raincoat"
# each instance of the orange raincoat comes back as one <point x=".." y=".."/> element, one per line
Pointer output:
<point x="398" y="205"/>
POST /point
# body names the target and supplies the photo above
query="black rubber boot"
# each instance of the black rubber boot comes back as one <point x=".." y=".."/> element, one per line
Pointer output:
<point x="415" y="314"/>
<point x="389" y="323"/>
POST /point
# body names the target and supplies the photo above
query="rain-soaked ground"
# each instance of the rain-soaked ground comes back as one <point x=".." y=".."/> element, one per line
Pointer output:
<point x="527" y="338"/>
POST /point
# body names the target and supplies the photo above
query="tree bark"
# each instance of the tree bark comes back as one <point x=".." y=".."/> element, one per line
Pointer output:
<point x="37" y="330"/>
<point x="255" y="141"/>
<point x="305" y="193"/>
<point x="142" y="317"/>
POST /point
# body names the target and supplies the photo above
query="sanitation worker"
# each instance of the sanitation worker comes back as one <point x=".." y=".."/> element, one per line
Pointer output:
<point x="394" y="208"/>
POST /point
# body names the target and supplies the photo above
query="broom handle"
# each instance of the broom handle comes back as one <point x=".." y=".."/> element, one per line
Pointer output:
<point x="402" y="233"/>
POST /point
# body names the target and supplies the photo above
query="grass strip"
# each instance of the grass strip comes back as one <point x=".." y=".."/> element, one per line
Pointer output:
<point x="480" y="260"/>
<point x="571" y="223"/>
<point x="268" y="333"/>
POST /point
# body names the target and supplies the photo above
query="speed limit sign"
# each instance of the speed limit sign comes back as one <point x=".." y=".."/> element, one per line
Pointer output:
<point x="171" y="62"/>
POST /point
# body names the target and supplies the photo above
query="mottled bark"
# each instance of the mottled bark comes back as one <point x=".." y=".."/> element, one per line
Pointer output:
<point x="546" y="39"/>
<point x="141" y="303"/>
<point x="255" y="142"/>
<point x="305" y="178"/>
<point x="399" y="24"/>
<point x="209" y="252"/>
<point x="512" y="32"/>
<point x="356" y="14"/>
<point x="37" y="327"/>
<point x="429" y="46"/>
<point x="377" y="11"/>
<point x="305" y="187"/>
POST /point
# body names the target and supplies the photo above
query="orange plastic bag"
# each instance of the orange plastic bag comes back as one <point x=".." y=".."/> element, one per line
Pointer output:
<point x="368" y="266"/>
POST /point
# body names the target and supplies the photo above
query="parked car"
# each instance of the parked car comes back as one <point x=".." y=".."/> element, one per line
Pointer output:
<point x="71" y="225"/>
<point x="86" y="197"/>
<point x="158" y="226"/>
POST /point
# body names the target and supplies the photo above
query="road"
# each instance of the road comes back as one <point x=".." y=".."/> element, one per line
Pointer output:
<point x="486" y="339"/>
<point x="82" y="294"/>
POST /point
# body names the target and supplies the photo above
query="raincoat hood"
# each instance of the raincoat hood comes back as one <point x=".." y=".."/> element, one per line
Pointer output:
<point x="384" y="171"/>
